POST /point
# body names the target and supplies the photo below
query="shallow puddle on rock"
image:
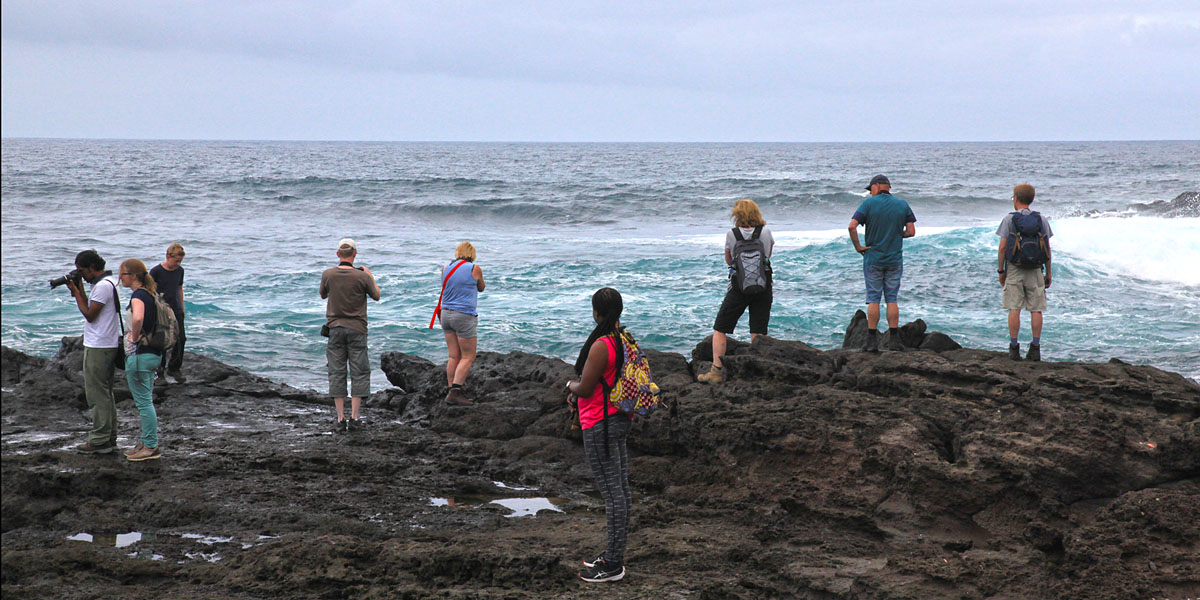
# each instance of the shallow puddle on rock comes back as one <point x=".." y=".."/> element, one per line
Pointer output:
<point x="518" y="507"/>
<point x="206" y="539"/>
<point x="118" y="540"/>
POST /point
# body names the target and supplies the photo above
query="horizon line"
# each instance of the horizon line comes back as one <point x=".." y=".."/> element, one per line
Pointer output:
<point x="395" y="141"/>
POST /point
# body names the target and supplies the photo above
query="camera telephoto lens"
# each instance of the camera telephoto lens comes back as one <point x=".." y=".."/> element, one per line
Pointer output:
<point x="74" y="274"/>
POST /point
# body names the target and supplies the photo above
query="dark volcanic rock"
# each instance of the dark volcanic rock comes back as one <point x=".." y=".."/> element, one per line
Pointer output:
<point x="939" y="342"/>
<point x="1186" y="204"/>
<point x="17" y="364"/>
<point x="856" y="332"/>
<point x="806" y="474"/>
<point x="912" y="335"/>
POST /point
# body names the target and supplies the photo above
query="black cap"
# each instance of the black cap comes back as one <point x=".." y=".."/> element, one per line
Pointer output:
<point x="878" y="179"/>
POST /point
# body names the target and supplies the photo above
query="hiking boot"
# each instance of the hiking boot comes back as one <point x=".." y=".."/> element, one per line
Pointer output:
<point x="456" y="396"/>
<point x="1035" y="353"/>
<point x="893" y="342"/>
<point x="1014" y="351"/>
<point x="88" y="448"/>
<point x="177" y="376"/>
<point x="872" y="344"/>
<point x="591" y="563"/>
<point x="145" y="454"/>
<point x="714" y="375"/>
<point x="134" y="450"/>
<point x="602" y="572"/>
<point x="160" y="380"/>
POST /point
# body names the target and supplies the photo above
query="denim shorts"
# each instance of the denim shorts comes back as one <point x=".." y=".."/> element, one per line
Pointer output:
<point x="882" y="281"/>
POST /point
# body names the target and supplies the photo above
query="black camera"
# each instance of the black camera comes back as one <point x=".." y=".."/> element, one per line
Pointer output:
<point x="75" y="275"/>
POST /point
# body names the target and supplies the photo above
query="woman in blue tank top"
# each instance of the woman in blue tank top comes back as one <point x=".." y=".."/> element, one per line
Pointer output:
<point x="462" y="280"/>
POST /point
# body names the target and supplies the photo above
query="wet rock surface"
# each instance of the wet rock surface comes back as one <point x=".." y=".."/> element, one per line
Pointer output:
<point x="807" y="474"/>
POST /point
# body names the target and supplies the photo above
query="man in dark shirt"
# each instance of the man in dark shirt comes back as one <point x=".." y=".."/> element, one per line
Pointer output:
<point x="347" y="288"/>
<point x="168" y="277"/>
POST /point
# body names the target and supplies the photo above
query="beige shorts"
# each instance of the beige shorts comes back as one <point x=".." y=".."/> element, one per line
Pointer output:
<point x="1024" y="289"/>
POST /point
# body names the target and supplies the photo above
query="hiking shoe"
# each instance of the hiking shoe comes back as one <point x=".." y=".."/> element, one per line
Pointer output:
<point x="145" y="454"/>
<point x="872" y="344"/>
<point x="456" y="396"/>
<point x="88" y="448"/>
<point x="340" y="426"/>
<point x="160" y="380"/>
<point x="602" y="572"/>
<point x="714" y="375"/>
<point x="134" y="450"/>
<point x="1014" y="351"/>
<point x="893" y="342"/>
<point x="1035" y="353"/>
<point x="591" y="563"/>
<point x="177" y="376"/>
<point x="353" y="424"/>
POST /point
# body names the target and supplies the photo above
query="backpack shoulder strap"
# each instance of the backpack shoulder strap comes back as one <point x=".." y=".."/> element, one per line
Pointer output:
<point x="737" y="233"/>
<point x="757" y="232"/>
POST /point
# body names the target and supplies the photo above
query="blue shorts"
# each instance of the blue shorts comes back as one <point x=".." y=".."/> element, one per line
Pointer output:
<point x="882" y="281"/>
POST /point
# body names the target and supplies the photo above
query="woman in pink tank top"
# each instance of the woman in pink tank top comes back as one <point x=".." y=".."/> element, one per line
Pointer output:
<point x="605" y="430"/>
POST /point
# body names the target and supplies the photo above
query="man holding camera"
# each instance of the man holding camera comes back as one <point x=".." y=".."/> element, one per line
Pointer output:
<point x="101" y="347"/>
<point x="347" y="288"/>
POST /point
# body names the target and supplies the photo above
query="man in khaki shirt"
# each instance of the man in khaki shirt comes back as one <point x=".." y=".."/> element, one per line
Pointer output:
<point x="347" y="288"/>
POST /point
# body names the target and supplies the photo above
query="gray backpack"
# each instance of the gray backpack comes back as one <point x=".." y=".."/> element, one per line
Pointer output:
<point x="750" y="270"/>
<point x="166" y="330"/>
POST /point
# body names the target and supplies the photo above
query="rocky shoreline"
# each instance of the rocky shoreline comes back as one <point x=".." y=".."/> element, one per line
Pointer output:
<point x="938" y="472"/>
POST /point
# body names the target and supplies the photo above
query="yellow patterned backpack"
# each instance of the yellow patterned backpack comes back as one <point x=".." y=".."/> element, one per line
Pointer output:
<point x="635" y="392"/>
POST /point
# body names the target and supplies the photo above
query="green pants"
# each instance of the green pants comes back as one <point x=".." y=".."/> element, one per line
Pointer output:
<point x="98" y="387"/>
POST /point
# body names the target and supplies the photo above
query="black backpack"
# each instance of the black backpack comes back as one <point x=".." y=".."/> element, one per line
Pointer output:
<point x="750" y="268"/>
<point x="1027" y="245"/>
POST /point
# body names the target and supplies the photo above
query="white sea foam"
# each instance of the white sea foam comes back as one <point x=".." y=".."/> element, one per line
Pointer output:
<point x="801" y="239"/>
<point x="1151" y="248"/>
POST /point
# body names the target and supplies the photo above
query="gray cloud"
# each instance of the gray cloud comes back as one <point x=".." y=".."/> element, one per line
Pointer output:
<point x="950" y="63"/>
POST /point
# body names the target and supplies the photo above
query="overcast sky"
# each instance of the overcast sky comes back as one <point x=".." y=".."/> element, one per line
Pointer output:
<point x="603" y="71"/>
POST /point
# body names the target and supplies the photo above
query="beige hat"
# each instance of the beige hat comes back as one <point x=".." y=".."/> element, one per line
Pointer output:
<point x="347" y="242"/>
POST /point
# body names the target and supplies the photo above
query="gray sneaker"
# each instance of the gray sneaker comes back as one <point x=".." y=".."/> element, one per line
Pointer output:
<point x="177" y="376"/>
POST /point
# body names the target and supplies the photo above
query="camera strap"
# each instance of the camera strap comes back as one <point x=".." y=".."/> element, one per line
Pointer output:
<point x="117" y="307"/>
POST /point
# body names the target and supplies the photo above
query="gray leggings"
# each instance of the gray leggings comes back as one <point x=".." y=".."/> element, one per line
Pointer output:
<point x="612" y="479"/>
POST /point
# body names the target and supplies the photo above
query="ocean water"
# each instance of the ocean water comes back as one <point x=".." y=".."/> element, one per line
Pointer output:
<point x="554" y="222"/>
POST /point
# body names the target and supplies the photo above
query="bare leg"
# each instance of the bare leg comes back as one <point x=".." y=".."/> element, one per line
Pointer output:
<point x="1035" y="320"/>
<point x="1014" y="323"/>
<point x="718" y="347"/>
<point x="355" y="402"/>
<point x="872" y="315"/>
<point x="466" y="350"/>
<point x="455" y="355"/>
<point x="893" y="315"/>
<point x="339" y="404"/>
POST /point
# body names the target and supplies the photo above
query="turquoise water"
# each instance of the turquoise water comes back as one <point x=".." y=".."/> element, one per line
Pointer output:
<point x="554" y="222"/>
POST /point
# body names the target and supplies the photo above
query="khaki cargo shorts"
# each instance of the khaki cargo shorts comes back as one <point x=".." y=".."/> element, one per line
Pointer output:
<point x="1024" y="289"/>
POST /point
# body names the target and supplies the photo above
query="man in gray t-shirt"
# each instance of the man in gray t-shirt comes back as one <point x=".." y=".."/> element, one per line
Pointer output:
<point x="1024" y="287"/>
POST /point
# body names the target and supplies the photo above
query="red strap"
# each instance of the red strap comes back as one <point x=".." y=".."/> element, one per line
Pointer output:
<point x="437" y="312"/>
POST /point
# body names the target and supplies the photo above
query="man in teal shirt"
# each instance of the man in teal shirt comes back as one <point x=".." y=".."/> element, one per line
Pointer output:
<point x="888" y="220"/>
